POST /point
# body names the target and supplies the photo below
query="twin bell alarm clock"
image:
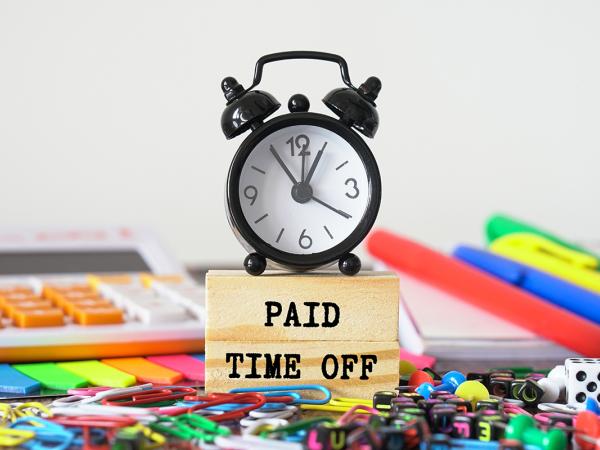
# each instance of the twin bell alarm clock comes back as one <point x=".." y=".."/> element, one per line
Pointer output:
<point x="303" y="189"/>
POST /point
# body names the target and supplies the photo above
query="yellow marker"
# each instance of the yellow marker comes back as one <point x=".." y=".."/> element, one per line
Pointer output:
<point x="541" y="253"/>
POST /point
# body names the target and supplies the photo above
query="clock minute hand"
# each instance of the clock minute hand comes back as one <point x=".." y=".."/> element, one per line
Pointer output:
<point x="311" y="171"/>
<point x="339" y="211"/>
<point x="282" y="164"/>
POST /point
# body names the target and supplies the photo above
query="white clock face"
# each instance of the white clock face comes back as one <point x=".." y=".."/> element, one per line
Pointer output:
<point x="304" y="189"/>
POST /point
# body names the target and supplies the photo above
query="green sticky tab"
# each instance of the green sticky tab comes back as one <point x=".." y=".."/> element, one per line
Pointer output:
<point x="99" y="374"/>
<point x="51" y="376"/>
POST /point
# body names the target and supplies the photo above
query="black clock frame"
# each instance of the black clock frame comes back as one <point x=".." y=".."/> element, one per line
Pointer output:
<point x="292" y="260"/>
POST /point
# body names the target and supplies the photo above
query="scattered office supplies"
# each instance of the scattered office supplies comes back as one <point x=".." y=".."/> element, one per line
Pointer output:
<point x="500" y="408"/>
<point x="486" y="292"/>
<point x="580" y="301"/>
<point x="303" y="188"/>
<point x="324" y="327"/>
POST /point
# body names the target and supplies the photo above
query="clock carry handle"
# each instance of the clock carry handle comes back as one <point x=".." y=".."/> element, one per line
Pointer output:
<point x="248" y="108"/>
<point x="301" y="54"/>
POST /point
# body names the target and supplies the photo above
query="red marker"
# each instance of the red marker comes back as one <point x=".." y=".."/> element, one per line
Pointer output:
<point x="486" y="292"/>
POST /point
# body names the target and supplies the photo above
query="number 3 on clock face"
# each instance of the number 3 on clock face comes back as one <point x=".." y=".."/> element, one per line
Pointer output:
<point x="305" y="189"/>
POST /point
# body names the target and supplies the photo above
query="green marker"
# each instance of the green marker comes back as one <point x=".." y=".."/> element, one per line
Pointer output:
<point x="499" y="225"/>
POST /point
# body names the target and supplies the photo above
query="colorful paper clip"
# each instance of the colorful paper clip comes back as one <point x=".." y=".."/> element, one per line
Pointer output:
<point x="285" y="389"/>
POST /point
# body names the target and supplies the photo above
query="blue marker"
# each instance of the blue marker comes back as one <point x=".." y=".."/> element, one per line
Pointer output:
<point x="552" y="289"/>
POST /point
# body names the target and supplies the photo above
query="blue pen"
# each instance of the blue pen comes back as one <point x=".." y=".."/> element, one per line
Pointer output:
<point x="552" y="289"/>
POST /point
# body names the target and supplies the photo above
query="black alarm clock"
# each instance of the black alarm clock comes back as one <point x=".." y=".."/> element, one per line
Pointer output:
<point x="303" y="189"/>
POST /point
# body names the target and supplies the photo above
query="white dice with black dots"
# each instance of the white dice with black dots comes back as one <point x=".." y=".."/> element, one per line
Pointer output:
<point x="583" y="380"/>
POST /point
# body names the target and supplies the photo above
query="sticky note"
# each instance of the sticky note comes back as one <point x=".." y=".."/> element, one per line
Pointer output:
<point x="14" y="382"/>
<point x="144" y="370"/>
<point x="51" y="376"/>
<point x="190" y="367"/>
<point x="199" y="356"/>
<point x="98" y="374"/>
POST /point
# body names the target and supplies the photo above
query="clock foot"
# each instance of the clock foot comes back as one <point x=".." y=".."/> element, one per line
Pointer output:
<point x="349" y="264"/>
<point x="256" y="264"/>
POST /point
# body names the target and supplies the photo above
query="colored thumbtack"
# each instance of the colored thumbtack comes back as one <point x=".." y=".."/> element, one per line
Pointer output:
<point x="450" y="382"/>
<point x="523" y="428"/>
<point x="418" y="378"/>
<point x="472" y="391"/>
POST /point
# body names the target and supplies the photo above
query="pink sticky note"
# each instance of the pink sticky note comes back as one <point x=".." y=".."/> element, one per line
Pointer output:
<point x="190" y="367"/>
<point x="420" y="361"/>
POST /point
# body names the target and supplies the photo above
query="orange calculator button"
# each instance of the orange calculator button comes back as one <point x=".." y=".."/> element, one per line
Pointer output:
<point x="85" y="303"/>
<point x="11" y="308"/>
<point x="54" y="292"/>
<point x="15" y="290"/>
<point x="6" y="302"/>
<point x="63" y="300"/>
<point x="40" y="317"/>
<point x="98" y="315"/>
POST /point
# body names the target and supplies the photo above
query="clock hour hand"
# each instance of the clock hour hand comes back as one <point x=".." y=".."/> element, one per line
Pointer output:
<point x="339" y="211"/>
<point x="282" y="164"/>
<point x="311" y="171"/>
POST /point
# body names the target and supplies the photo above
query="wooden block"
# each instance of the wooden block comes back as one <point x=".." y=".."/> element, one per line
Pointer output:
<point x="273" y="306"/>
<point x="303" y="363"/>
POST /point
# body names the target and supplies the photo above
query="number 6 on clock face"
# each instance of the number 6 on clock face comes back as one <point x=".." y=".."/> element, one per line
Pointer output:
<point x="305" y="192"/>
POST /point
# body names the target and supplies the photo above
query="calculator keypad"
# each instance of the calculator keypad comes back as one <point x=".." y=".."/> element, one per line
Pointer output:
<point x="100" y="300"/>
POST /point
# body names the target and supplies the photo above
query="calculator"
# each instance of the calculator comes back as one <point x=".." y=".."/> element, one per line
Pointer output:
<point x="68" y="294"/>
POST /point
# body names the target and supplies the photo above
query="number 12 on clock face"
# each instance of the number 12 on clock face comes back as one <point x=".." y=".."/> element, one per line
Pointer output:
<point x="304" y="189"/>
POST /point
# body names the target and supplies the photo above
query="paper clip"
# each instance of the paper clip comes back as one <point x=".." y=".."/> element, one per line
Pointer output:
<point x="299" y="387"/>
<point x="190" y="426"/>
<point x="257" y="426"/>
<point x="353" y="414"/>
<point x="10" y="437"/>
<point x="340" y="404"/>
<point x="30" y="409"/>
<point x="297" y="427"/>
<point x="249" y="402"/>
<point x="250" y="442"/>
<point x="92" y="395"/>
<point x="7" y="414"/>
<point x="153" y="438"/>
<point x="557" y="407"/>
<point x="47" y="434"/>
<point x="147" y="396"/>
<point x="92" y="409"/>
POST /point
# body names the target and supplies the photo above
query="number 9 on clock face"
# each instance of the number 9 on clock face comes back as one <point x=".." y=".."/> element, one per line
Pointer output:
<point x="305" y="190"/>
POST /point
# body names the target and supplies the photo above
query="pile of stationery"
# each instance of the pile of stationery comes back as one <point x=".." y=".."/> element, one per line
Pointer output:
<point x="502" y="408"/>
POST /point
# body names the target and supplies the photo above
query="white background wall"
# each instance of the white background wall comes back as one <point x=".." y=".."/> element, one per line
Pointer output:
<point x="109" y="110"/>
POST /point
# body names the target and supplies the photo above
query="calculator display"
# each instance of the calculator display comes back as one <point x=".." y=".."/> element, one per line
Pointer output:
<point x="49" y="262"/>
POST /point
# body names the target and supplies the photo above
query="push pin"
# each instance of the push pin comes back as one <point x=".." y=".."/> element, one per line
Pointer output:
<point x="450" y="383"/>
